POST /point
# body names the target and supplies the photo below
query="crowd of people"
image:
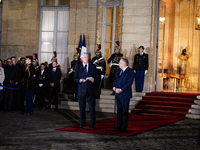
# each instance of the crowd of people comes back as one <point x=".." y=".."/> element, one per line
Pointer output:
<point x="23" y="82"/>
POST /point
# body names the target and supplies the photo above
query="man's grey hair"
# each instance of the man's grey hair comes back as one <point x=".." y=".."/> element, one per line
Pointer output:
<point x="84" y="53"/>
<point x="125" y="60"/>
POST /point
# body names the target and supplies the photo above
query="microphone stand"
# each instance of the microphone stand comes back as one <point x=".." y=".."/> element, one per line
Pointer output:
<point x="114" y="126"/>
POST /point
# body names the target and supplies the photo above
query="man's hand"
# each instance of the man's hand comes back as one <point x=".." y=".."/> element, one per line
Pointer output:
<point x="92" y="80"/>
<point x="82" y="80"/>
<point x="16" y="83"/>
<point x="52" y="84"/>
<point x="118" y="91"/>
<point x="11" y="82"/>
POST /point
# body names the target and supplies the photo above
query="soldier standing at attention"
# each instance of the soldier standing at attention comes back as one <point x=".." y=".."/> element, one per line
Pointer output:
<point x="100" y="64"/>
<point x="113" y="62"/>
<point x="73" y="84"/>
<point x="140" y="68"/>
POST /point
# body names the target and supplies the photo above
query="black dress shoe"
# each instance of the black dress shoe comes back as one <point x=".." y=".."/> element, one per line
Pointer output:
<point x="124" y="130"/>
<point x="81" y="126"/>
<point x="117" y="129"/>
<point x="93" y="127"/>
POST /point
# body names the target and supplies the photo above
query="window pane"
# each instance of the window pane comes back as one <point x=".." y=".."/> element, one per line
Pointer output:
<point x="161" y="31"/>
<point x="46" y="57"/>
<point x="48" y="21"/>
<point x="47" y="42"/>
<point x="160" y="50"/>
<point x="62" y="42"/>
<point x="108" y="49"/>
<point x="117" y="32"/>
<point x="109" y="0"/>
<point x="118" y="14"/>
<point x="63" y="2"/>
<point x="109" y="15"/>
<point x="108" y="33"/>
<point x="63" y="20"/>
<point x="49" y="2"/>
<point x="62" y="61"/>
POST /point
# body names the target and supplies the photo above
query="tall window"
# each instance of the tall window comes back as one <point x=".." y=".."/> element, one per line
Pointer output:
<point x="53" y="32"/>
<point x="111" y="31"/>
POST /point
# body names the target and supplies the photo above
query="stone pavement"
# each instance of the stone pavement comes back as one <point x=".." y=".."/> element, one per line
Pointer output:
<point x="36" y="132"/>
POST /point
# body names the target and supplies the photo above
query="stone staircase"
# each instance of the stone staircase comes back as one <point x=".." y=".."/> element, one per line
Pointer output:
<point x="194" y="112"/>
<point x="104" y="104"/>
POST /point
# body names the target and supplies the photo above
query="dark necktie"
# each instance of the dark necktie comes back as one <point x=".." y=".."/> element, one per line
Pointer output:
<point x="121" y="73"/>
<point x="86" y="70"/>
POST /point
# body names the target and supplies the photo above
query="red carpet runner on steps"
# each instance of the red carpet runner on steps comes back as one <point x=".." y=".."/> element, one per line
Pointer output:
<point x="154" y="110"/>
<point x="137" y="124"/>
<point x="163" y="103"/>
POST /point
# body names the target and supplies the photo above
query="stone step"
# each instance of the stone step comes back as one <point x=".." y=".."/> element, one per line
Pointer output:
<point x="197" y="102"/>
<point x="193" y="116"/>
<point x="195" y="106"/>
<point x="194" y="111"/>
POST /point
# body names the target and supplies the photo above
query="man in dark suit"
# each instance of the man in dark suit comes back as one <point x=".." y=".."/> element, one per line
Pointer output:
<point x="140" y="68"/>
<point x="122" y="86"/>
<point x="41" y="85"/>
<point x="54" y="76"/>
<point x="85" y="76"/>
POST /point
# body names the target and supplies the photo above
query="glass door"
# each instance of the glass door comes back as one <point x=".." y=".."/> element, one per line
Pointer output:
<point x="161" y="46"/>
<point x="111" y="31"/>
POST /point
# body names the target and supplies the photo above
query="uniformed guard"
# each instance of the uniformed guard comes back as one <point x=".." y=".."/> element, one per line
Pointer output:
<point x="113" y="62"/>
<point x="100" y="64"/>
<point x="54" y="59"/>
<point x="37" y="68"/>
<point x="140" y="68"/>
<point x="73" y="84"/>
<point x="29" y="82"/>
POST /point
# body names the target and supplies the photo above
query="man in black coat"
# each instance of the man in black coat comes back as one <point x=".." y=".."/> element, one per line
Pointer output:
<point x="54" y="76"/>
<point x="17" y="96"/>
<point x="140" y="68"/>
<point x="85" y="75"/>
<point x="100" y="64"/>
<point x="9" y="82"/>
<point x="41" y="85"/>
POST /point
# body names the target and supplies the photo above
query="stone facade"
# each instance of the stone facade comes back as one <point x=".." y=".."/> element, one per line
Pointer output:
<point x="20" y="28"/>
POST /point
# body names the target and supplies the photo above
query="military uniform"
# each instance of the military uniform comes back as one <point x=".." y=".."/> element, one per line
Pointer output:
<point x="113" y="61"/>
<point x="73" y="84"/>
<point x="100" y="64"/>
<point x="140" y="66"/>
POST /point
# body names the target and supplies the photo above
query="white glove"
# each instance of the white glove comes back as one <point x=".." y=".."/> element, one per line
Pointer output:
<point x="145" y="71"/>
<point x="71" y="70"/>
<point x="135" y="71"/>
<point x="40" y="85"/>
<point x="102" y="76"/>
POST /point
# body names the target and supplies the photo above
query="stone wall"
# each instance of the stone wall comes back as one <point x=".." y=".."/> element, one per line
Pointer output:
<point x="138" y="29"/>
<point x="20" y="28"/>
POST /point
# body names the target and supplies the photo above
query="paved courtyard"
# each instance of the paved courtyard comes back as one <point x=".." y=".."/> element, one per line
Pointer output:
<point x="36" y="132"/>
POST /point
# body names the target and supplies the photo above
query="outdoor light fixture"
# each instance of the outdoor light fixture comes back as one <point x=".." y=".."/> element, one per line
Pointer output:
<point x="162" y="19"/>
<point x="197" y="23"/>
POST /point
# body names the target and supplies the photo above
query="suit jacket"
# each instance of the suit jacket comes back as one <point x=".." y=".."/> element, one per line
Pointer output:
<point x="88" y="85"/>
<point x="141" y="63"/>
<point x="57" y="76"/>
<point x="41" y="79"/>
<point x="124" y="82"/>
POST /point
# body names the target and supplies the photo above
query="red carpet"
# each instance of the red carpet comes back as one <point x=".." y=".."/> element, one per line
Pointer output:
<point x="164" y="103"/>
<point x="137" y="124"/>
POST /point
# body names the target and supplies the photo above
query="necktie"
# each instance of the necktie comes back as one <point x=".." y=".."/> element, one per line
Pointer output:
<point x="86" y="70"/>
<point x="121" y="73"/>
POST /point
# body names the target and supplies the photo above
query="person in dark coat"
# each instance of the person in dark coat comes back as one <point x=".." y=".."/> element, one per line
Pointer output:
<point x="41" y="85"/>
<point x="17" y="96"/>
<point x="21" y="83"/>
<point x="29" y="84"/>
<point x="122" y="86"/>
<point x="140" y="67"/>
<point x="100" y="64"/>
<point x="73" y="84"/>
<point x="85" y="75"/>
<point x="113" y="61"/>
<point x="9" y="82"/>
<point x="54" y="76"/>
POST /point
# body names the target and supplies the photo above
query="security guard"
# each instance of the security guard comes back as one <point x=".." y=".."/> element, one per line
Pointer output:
<point x="140" y="68"/>
<point x="113" y="62"/>
<point x="73" y="84"/>
<point x="100" y="64"/>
